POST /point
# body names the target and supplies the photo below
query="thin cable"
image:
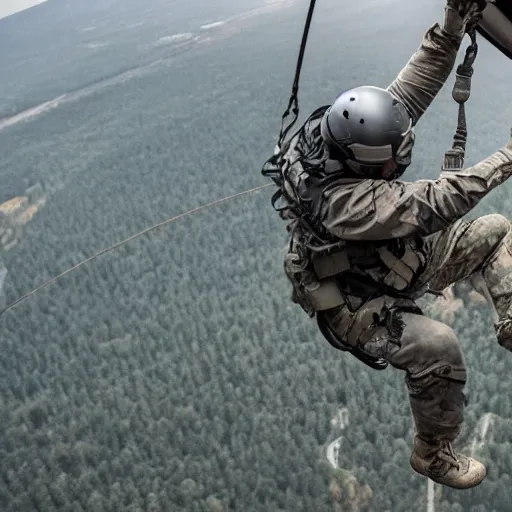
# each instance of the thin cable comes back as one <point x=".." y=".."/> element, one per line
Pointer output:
<point x="129" y="239"/>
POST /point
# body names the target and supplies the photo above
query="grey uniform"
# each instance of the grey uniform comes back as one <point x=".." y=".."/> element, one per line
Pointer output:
<point x="409" y="237"/>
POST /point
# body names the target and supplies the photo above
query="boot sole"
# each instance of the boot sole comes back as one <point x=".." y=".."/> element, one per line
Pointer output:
<point x="468" y="485"/>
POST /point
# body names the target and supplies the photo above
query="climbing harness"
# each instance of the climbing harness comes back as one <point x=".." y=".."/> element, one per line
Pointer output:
<point x="454" y="157"/>
<point x="130" y="239"/>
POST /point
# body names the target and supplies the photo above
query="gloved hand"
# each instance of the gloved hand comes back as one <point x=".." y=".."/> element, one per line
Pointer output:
<point x="462" y="15"/>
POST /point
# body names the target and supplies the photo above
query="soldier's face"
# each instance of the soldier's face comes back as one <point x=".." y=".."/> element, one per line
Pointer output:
<point x="389" y="168"/>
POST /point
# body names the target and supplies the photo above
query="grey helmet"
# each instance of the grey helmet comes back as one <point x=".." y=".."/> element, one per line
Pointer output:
<point x="366" y="127"/>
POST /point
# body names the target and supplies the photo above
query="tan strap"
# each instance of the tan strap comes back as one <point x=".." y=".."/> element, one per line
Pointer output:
<point x="330" y="264"/>
<point x="325" y="295"/>
<point x="395" y="265"/>
<point x="413" y="259"/>
<point x="395" y="281"/>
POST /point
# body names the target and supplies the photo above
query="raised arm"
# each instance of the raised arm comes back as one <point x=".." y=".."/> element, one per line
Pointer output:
<point x="424" y="75"/>
<point x="380" y="210"/>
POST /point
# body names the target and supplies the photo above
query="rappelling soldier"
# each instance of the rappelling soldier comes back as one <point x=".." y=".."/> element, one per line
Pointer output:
<point x="365" y="245"/>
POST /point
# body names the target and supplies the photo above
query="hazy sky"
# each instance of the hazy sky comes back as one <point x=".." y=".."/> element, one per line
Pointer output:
<point x="8" y="7"/>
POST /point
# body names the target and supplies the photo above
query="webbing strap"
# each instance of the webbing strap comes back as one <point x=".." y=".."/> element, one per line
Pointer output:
<point x="454" y="157"/>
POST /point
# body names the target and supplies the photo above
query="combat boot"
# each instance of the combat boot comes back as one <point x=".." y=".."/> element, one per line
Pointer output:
<point x="441" y="464"/>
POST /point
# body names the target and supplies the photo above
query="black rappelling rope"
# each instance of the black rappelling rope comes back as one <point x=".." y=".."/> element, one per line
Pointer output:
<point x="293" y="104"/>
<point x="272" y="168"/>
<point x="129" y="239"/>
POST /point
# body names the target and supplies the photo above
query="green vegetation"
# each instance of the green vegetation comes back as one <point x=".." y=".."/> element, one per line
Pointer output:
<point x="175" y="374"/>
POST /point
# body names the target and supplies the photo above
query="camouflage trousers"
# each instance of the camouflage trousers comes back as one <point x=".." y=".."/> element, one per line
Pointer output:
<point x="428" y="350"/>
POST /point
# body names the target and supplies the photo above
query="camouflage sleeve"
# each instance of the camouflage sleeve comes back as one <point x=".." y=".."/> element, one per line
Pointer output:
<point x="424" y="75"/>
<point x="379" y="210"/>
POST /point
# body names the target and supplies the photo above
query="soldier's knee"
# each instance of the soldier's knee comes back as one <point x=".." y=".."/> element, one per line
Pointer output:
<point x="436" y="351"/>
<point x="494" y="227"/>
<point x="443" y="345"/>
<point x="442" y="366"/>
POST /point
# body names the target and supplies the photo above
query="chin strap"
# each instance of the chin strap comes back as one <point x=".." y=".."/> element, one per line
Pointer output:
<point x="454" y="157"/>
